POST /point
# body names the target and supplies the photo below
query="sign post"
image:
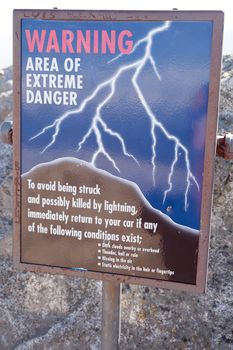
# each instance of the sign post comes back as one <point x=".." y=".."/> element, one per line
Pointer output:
<point x="115" y="117"/>
<point x="111" y="315"/>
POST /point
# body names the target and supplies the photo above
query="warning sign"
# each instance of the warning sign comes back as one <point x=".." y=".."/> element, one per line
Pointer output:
<point x="111" y="154"/>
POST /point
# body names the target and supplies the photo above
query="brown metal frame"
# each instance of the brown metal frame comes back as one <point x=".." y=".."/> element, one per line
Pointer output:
<point x="217" y="18"/>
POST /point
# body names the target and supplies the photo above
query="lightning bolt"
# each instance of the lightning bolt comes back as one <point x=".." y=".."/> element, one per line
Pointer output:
<point x="99" y="126"/>
<point x="97" y="120"/>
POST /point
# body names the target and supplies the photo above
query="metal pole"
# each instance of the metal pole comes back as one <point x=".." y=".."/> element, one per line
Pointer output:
<point x="111" y="315"/>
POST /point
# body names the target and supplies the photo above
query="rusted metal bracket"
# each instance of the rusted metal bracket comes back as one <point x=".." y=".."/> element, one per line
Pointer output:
<point x="224" y="142"/>
<point x="6" y="132"/>
<point x="225" y="146"/>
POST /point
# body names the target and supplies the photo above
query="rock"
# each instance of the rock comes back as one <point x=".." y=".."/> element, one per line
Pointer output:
<point x="39" y="311"/>
<point x="226" y="100"/>
<point x="5" y="189"/>
<point x="5" y="93"/>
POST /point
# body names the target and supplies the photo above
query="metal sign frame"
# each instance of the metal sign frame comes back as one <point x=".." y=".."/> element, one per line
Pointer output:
<point x="210" y="144"/>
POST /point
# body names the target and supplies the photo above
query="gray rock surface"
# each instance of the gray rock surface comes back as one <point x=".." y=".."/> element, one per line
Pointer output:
<point x="6" y="85"/>
<point x="39" y="311"/>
